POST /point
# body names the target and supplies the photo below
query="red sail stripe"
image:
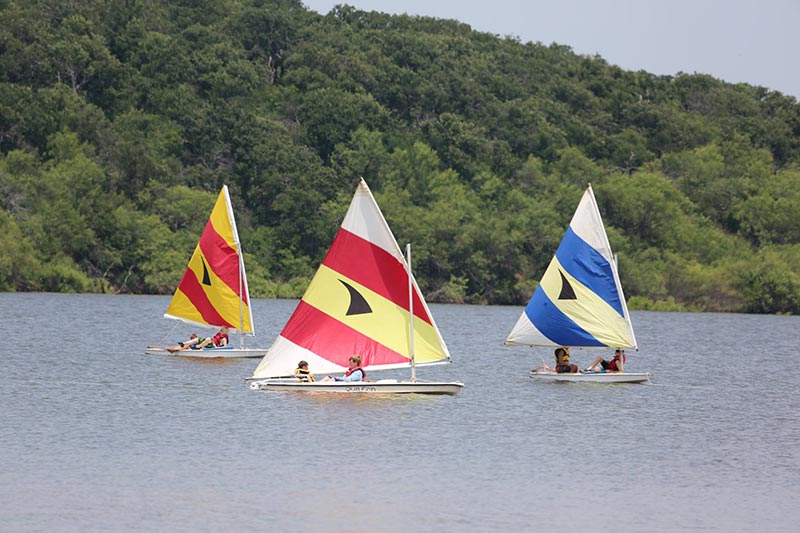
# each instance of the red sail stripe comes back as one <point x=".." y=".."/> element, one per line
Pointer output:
<point x="334" y="341"/>
<point x="191" y="287"/>
<point x="372" y="267"/>
<point x="221" y="258"/>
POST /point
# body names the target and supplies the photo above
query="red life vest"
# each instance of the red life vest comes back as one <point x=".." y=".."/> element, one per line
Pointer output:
<point x="612" y="365"/>
<point x="217" y="339"/>
<point x="351" y="370"/>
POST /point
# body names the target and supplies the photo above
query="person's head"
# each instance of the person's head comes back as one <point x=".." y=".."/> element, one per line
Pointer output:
<point x="303" y="365"/>
<point x="355" y="360"/>
<point x="224" y="329"/>
<point x="561" y="352"/>
<point x="193" y="336"/>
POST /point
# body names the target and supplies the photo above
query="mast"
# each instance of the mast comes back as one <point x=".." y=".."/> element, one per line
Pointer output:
<point x="411" y="312"/>
<point x="242" y="275"/>
<point x="241" y="297"/>
<point x="624" y="304"/>
<point x="241" y="265"/>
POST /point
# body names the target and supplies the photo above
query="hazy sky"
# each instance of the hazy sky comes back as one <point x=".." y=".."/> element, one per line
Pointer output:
<point x="751" y="41"/>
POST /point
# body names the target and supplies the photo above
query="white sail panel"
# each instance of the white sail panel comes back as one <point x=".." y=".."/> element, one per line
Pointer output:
<point x="526" y="334"/>
<point x="282" y="358"/>
<point x="365" y="219"/>
<point x="588" y="224"/>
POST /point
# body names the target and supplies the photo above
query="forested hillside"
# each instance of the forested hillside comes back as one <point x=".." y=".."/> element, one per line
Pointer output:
<point x="121" y="119"/>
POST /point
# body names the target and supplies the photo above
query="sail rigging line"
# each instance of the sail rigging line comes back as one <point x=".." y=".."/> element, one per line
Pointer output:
<point x="411" y="312"/>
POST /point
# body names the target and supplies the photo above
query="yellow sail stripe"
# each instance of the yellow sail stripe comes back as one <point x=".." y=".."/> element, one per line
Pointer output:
<point x="588" y="310"/>
<point x="182" y="307"/>
<point x="224" y="300"/>
<point x="221" y="221"/>
<point x="387" y="324"/>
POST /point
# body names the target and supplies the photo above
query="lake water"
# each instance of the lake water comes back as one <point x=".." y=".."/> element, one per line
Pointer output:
<point x="95" y="435"/>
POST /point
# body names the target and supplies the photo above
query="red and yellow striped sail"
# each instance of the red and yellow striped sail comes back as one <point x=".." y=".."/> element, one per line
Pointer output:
<point x="213" y="291"/>
<point x="357" y="303"/>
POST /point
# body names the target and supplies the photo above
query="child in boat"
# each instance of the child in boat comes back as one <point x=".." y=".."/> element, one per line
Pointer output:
<point x="615" y="365"/>
<point x="191" y="344"/>
<point x="302" y="373"/>
<point x="563" y="366"/>
<point x="219" y="340"/>
<point x="354" y="373"/>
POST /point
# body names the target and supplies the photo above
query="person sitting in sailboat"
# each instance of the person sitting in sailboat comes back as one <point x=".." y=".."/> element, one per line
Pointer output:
<point x="191" y="344"/>
<point x="563" y="366"/>
<point x="302" y="373"/>
<point x="354" y="373"/>
<point x="219" y="340"/>
<point x="614" y="365"/>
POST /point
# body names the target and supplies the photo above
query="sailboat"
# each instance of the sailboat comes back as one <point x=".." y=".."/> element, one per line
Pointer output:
<point x="213" y="291"/>
<point x="362" y="300"/>
<point x="579" y="300"/>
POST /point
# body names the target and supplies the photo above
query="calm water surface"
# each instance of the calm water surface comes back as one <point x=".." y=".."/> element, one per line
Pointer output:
<point x="94" y="435"/>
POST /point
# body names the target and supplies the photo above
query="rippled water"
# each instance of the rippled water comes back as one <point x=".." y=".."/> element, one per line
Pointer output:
<point x="94" y="435"/>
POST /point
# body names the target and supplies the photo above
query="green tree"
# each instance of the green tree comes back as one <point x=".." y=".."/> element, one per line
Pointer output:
<point x="147" y="148"/>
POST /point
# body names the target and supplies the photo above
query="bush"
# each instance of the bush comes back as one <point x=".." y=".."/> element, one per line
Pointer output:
<point x="63" y="275"/>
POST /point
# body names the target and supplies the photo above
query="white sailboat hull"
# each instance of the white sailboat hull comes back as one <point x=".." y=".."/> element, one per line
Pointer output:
<point x="593" y="377"/>
<point x="209" y="353"/>
<point x="383" y="386"/>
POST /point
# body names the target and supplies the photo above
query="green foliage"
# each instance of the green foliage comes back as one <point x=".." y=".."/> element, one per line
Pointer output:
<point x="182" y="208"/>
<point x="641" y="303"/>
<point x="652" y="211"/>
<point x="19" y="267"/>
<point x="771" y="284"/>
<point x="146" y="148"/>
<point x="772" y="214"/>
<point x="453" y="291"/>
<point x="700" y="286"/>
<point x="121" y="120"/>
<point x="330" y="115"/>
<point x="61" y="274"/>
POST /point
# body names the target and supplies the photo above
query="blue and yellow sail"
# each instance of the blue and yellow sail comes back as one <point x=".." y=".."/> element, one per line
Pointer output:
<point x="579" y="300"/>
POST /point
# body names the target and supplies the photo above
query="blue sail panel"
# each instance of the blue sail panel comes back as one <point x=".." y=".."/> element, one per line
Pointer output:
<point x="588" y="266"/>
<point x="554" y="324"/>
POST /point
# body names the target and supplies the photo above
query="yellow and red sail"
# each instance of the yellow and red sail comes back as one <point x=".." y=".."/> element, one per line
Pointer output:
<point x="357" y="303"/>
<point x="213" y="290"/>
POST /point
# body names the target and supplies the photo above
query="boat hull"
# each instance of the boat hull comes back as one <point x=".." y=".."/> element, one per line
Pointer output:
<point x="384" y="386"/>
<point x="593" y="377"/>
<point x="209" y="353"/>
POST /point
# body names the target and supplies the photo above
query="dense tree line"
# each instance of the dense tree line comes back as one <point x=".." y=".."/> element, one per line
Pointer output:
<point x="121" y="119"/>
